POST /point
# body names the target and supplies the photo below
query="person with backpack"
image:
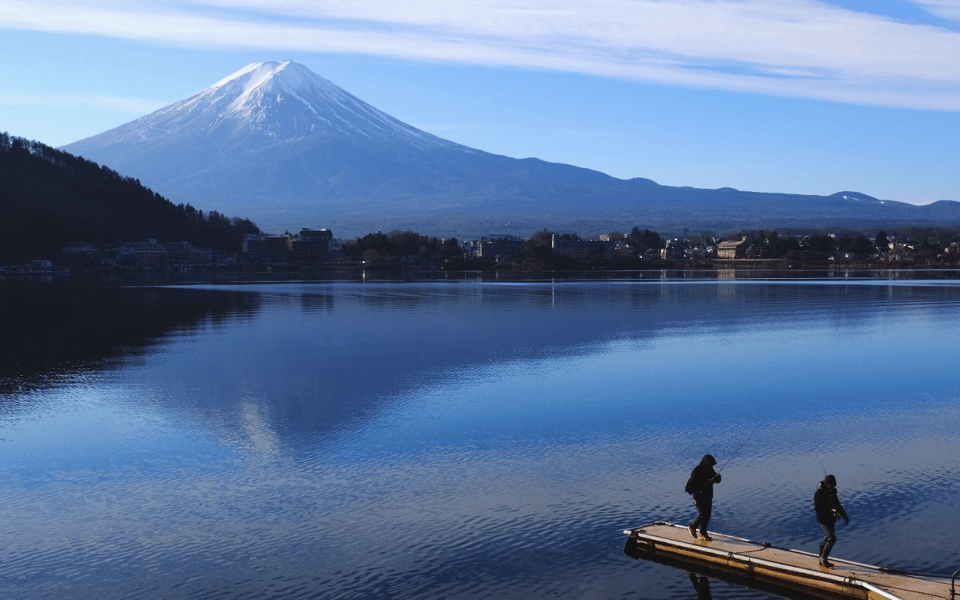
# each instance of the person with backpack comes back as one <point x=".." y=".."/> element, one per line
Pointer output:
<point x="827" y="506"/>
<point x="700" y="486"/>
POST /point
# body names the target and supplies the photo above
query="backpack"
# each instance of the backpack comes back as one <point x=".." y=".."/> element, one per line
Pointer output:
<point x="689" y="488"/>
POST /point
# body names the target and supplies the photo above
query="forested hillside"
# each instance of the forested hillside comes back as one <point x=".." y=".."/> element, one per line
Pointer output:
<point x="49" y="198"/>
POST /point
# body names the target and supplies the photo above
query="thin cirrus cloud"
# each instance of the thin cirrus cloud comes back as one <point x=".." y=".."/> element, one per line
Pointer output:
<point x="947" y="9"/>
<point x="114" y="103"/>
<point x="796" y="48"/>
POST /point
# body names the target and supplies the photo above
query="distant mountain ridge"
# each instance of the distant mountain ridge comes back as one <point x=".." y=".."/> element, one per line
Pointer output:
<point x="285" y="147"/>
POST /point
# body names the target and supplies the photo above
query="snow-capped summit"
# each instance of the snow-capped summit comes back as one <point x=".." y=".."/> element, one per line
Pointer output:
<point x="251" y="83"/>
<point x="272" y="102"/>
<point x="274" y="142"/>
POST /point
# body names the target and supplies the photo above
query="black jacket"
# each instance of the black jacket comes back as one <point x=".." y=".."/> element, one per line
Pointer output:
<point x="701" y="481"/>
<point x="827" y="505"/>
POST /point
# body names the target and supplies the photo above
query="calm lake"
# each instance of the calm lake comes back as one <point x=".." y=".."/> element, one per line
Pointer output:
<point x="464" y="438"/>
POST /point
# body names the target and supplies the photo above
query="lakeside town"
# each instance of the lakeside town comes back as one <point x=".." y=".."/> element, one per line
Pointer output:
<point x="318" y="250"/>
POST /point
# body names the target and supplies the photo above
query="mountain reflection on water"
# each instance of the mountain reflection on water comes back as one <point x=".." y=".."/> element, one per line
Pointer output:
<point x="462" y="438"/>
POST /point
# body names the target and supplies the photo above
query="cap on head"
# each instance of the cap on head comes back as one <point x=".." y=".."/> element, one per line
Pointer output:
<point x="708" y="459"/>
<point x="830" y="480"/>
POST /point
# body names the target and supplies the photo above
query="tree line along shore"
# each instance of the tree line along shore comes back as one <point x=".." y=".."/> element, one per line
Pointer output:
<point x="62" y="212"/>
<point x="316" y="251"/>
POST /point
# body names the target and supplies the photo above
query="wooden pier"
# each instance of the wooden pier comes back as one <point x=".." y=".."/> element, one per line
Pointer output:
<point x="778" y="570"/>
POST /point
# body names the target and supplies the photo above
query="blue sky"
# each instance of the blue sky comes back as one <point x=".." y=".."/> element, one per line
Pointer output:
<point x="765" y="95"/>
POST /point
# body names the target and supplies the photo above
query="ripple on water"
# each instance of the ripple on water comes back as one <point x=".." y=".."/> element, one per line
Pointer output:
<point x="523" y="433"/>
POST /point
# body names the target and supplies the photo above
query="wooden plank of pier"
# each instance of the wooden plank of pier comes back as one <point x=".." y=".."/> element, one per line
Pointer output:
<point x="790" y="569"/>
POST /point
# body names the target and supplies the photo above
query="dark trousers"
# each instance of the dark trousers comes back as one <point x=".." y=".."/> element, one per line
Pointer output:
<point x="704" y="512"/>
<point x="829" y="538"/>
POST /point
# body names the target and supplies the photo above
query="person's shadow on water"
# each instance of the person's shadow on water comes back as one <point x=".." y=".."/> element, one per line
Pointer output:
<point x="702" y="586"/>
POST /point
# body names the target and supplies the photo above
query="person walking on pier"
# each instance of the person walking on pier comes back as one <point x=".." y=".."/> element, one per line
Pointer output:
<point x="700" y="486"/>
<point x="827" y="506"/>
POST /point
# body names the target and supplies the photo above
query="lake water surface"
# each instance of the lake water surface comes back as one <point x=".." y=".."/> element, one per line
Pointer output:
<point x="463" y="439"/>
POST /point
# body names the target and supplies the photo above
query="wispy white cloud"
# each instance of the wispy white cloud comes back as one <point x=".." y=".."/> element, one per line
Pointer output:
<point x="801" y="48"/>
<point x="948" y="9"/>
<point x="137" y="106"/>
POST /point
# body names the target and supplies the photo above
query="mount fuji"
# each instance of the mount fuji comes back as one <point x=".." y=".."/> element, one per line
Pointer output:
<point x="288" y="149"/>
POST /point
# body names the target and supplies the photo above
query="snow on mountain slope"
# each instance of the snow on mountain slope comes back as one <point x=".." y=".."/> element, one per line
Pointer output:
<point x="269" y="102"/>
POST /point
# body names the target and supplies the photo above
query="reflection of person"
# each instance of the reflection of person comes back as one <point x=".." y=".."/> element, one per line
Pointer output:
<point x="702" y="586"/>
<point x="827" y="506"/>
<point x="700" y="485"/>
